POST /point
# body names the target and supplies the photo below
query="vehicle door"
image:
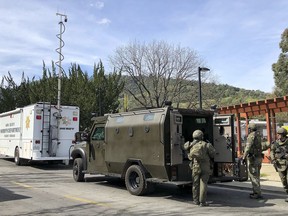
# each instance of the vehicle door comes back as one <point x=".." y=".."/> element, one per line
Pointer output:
<point x="176" y="121"/>
<point x="96" y="160"/>
<point x="223" y="138"/>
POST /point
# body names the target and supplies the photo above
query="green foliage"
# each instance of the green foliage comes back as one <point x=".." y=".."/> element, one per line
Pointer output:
<point x="45" y="89"/>
<point x="13" y="95"/>
<point x="284" y="41"/>
<point x="219" y="94"/>
<point x="76" y="90"/>
<point x="225" y="95"/>
<point x="281" y="67"/>
<point x="106" y="90"/>
<point x="96" y="94"/>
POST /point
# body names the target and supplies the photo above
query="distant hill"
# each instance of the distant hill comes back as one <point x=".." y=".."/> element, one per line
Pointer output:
<point x="219" y="94"/>
<point x="229" y="95"/>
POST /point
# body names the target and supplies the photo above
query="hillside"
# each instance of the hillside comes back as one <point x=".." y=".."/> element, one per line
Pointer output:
<point x="227" y="95"/>
<point x="219" y="94"/>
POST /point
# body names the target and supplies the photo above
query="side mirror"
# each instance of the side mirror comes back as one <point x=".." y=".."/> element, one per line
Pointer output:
<point x="85" y="136"/>
<point x="77" y="137"/>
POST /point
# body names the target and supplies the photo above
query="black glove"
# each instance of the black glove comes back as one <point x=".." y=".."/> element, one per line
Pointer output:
<point x="275" y="163"/>
<point x="244" y="157"/>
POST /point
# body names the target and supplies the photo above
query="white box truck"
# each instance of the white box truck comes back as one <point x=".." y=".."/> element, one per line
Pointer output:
<point x="38" y="132"/>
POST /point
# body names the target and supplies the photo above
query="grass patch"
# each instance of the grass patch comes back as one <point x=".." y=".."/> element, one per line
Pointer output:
<point x="263" y="175"/>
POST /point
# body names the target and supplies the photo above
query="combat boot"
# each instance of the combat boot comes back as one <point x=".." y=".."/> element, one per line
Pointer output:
<point x="256" y="196"/>
<point x="203" y="204"/>
<point x="196" y="202"/>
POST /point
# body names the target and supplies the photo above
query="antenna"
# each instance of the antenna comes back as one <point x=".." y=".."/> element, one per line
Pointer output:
<point x="60" y="70"/>
<point x="61" y="56"/>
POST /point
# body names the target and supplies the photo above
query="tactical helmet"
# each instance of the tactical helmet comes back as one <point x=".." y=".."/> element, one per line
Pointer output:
<point x="252" y="127"/>
<point x="282" y="131"/>
<point x="198" y="134"/>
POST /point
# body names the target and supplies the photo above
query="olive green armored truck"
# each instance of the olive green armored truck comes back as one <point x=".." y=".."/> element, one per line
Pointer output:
<point x="145" y="147"/>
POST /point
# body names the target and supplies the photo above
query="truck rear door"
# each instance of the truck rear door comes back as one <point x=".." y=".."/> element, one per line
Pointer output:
<point x="176" y="121"/>
<point x="223" y="138"/>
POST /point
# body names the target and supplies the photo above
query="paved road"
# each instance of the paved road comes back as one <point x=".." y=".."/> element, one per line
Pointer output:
<point x="43" y="189"/>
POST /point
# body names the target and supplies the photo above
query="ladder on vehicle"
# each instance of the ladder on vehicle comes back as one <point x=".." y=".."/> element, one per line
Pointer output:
<point x="46" y="128"/>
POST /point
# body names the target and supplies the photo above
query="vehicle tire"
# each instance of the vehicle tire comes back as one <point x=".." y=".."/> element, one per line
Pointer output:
<point x="17" y="159"/>
<point x="78" y="174"/>
<point x="135" y="180"/>
<point x="186" y="188"/>
<point x="243" y="179"/>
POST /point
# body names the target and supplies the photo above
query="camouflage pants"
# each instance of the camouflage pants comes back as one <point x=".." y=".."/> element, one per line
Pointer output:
<point x="254" y="166"/>
<point x="284" y="179"/>
<point x="200" y="177"/>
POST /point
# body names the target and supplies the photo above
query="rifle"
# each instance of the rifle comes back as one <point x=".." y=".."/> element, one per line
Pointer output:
<point x="281" y="153"/>
<point x="275" y="164"/>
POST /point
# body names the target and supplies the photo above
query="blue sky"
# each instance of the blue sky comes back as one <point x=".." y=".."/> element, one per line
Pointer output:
<point x="239" y="40"/>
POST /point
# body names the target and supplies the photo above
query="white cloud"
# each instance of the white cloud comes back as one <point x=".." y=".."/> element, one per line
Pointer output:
<point x="104" y="21"/>
<point x="97" y="4"/>
<point x="242" y="35"/>
<point x="251" y="23"/>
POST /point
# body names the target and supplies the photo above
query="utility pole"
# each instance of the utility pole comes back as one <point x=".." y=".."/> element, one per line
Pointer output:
<point x="199" y="83"/>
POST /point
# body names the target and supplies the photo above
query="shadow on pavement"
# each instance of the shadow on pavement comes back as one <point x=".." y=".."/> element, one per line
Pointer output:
<point x="44" y="165"/>
<point x="7" y="195"/>
<point x="50" y="166"/>
<point x="217" y="196"/>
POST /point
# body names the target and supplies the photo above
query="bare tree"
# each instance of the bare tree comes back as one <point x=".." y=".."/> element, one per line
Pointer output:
<point x="159" y="71"/>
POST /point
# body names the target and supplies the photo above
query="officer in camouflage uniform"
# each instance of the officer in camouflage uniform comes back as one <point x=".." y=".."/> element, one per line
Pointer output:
<point x="253" y="157"/>
<point x="279" y="157"/>
<point x="200" y="155"/>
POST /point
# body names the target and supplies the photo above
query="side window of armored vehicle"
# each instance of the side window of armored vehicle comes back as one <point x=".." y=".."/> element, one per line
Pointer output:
<point x="98" y="134"/>
<point x="200" y="120"/>
<point x="221" y="130"/>
<point x="120" y="119"/>
<point x="202" y="124"/>
<point x="149" y="117"/>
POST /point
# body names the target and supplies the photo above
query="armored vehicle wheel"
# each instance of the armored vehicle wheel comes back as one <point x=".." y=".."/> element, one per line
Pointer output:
<point x="135" y="180"/>
<point x="17" y="159"/>
<point x="78" y="174"/>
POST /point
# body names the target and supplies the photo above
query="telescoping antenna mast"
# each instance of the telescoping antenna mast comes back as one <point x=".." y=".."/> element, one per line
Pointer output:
<point x="63" y="17"/>
<point x="61" y="56"/>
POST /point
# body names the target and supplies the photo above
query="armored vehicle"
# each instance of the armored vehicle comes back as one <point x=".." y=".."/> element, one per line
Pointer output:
<point x="144" y="147"/>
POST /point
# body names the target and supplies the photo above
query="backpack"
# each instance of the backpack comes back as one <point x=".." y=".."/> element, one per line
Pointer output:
<point x="198" y="151"/>
<point x="256" y="148"/>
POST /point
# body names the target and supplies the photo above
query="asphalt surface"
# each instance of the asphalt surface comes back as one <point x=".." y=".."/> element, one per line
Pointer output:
<point x="50" y="190"/>
<point x="270" y="181"/>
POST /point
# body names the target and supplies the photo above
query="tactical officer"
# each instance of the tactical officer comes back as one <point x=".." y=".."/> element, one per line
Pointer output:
<point x="279" y="157"/>
<point x="253" y="157"/>
<point x="200" y="155"/>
